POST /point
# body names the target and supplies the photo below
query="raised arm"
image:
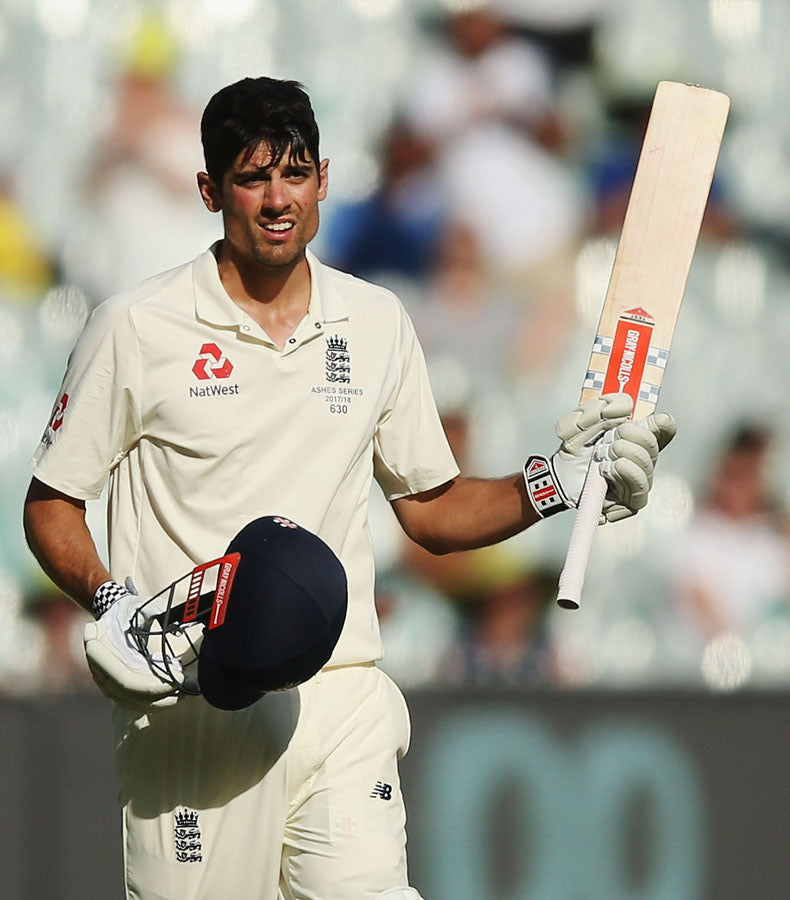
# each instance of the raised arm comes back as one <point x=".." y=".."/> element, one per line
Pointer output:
<point x="61" y="542"/>
<point x="466" y="513"/>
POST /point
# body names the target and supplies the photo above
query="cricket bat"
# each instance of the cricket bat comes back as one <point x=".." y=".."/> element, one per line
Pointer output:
<point x="651" y="266"/>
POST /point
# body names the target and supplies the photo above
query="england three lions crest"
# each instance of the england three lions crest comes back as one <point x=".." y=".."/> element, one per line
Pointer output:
<point x="188" y="840"/>
<point x="338" y="360"/>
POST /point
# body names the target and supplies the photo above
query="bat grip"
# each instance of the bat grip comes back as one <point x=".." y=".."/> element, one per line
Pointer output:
<point x="588" y="515"/>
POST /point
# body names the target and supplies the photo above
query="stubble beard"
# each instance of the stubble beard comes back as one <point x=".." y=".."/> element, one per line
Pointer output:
<point x="282" y="256"/>
<point x="277" y="257"/>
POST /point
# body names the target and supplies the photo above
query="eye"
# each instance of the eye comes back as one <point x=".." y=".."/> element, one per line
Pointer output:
<point x="250" y="179"/>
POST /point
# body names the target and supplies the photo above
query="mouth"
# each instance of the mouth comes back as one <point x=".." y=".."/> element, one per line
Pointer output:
<point x="277" y="231"/>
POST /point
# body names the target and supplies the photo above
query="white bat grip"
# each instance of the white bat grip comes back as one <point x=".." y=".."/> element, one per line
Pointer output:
<point x="587" y="517"/>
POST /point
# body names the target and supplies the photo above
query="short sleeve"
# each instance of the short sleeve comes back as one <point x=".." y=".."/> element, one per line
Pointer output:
<point x="96" y="418"/>
<point x="411" y="452"/>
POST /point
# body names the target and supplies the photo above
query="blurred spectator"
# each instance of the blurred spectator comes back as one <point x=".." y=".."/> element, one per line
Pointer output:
<point x="612" y="162"/>
<point x="454" y="575"/>
<point x="419" y="623"/>
<point x="732" y="564"/>
<point x="485" y="100"/>
<point x="469" y="313"/>
<point x="61" y="623"/>
<point x="465" y="314"/>
<point x="396" y="230"/>
<point x="25" y="270"/>
<point x="419" y="628"/>
<point x="423" y="600"/>
<point x="483" y="74"/>
<point x="144" y="212"/>
<point x="506" y="641"/>
<point x="419" y="596"/>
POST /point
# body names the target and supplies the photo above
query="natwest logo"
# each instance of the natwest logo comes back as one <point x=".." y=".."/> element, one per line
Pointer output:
<point x="211" y="363"/>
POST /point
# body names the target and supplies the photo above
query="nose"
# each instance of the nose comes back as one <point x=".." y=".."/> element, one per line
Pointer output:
<point x="275" y="197"/>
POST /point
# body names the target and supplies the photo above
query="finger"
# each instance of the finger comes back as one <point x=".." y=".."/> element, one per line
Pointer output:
<point x="145" y="684"/>
<point x="640" y="436"/>
<point x="634" y="480"/>
<point x="603" y="409"/>
<point x="568" y="426"/>
<point x="625" y="449"/>
<point x="617" y="405"/>
<point x="111" y="690"/>
<point x="618" y="512"/>
<point x="589" y="421"/>
<point x="101" y="681"/>
<point x="663" y="426"/>
<point x="164" y="702"/>
<point x="134" y="700"/>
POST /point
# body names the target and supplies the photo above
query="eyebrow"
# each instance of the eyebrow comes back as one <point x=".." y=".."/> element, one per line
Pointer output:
<point x="254" y="171"/>
<point x="298" y="167"/>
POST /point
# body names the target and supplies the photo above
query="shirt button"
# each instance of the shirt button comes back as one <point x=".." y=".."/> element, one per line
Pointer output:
<point x="245" y="327"/>
<point x="291" y="340"/>
<point x="317" y="324"/>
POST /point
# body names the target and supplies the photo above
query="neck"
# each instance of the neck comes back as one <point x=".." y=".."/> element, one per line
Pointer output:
<point x="250" y="283"/>
<point x="276" y="297"/>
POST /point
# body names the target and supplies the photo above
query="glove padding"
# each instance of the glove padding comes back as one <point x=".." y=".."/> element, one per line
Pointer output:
<point x="627" y="456"/>
<point x="119" y="669"/>
<point x="600" y="431"/>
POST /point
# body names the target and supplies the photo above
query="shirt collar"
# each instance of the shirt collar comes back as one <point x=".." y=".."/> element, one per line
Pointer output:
<point x="329" y="305"/>
<point x="214" y="305"/>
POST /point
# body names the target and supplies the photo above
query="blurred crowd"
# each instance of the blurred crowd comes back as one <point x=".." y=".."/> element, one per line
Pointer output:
<point x="481" y="157"/>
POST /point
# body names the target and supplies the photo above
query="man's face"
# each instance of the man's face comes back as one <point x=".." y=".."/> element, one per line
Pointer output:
<point x="270" y="213"/>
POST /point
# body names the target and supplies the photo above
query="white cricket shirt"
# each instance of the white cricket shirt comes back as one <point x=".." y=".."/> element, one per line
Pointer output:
<point x="203" y="425"/>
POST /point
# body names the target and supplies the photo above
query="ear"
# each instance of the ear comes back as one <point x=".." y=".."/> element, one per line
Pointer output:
<point x="323" y="179"/>
<point x="208" y="191"/>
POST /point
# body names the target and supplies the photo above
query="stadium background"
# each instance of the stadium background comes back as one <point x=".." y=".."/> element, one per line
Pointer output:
<point x="631" y="749"/>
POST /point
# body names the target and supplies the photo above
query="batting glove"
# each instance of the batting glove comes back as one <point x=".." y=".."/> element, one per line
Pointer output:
<point x="600" y="432"/>
<point x="119" y="669"/>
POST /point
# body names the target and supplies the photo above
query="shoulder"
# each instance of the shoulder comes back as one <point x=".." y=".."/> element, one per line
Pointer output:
<point x="363" y="297"/>
<point x="160" y="291"/>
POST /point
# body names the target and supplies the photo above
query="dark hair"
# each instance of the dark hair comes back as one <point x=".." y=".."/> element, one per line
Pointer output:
<point x="242" y="115"/>
<point x="748" y="438"/>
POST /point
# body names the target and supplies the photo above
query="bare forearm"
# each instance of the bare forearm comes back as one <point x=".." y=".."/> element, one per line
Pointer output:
<point x="467" y="513"/>
<point x="61" y="542"/>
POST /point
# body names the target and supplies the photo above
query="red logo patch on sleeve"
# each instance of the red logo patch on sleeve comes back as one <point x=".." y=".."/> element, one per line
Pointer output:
<point x="57" y="414"/>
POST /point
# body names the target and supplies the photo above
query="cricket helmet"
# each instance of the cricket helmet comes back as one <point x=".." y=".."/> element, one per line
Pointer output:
<point x="264" y="617"/>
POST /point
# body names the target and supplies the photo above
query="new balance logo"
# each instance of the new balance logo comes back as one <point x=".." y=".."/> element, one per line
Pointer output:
<point x="382" y="791"/>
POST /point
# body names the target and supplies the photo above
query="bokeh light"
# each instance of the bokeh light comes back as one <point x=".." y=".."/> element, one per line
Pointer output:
<point x="726" y="662"/>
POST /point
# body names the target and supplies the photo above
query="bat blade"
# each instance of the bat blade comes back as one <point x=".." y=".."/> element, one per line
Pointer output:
<point x="648" y="280"/>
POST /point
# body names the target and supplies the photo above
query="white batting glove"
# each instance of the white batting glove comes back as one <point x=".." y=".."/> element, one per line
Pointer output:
<point x="599" y="431"/>
<point x="119" y="669"/>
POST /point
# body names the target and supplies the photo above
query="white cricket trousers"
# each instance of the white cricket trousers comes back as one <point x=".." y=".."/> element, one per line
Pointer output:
<point x="296" y="797"/>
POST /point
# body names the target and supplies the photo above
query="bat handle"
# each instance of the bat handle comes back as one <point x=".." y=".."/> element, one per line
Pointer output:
<point x="587" y="517"/>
